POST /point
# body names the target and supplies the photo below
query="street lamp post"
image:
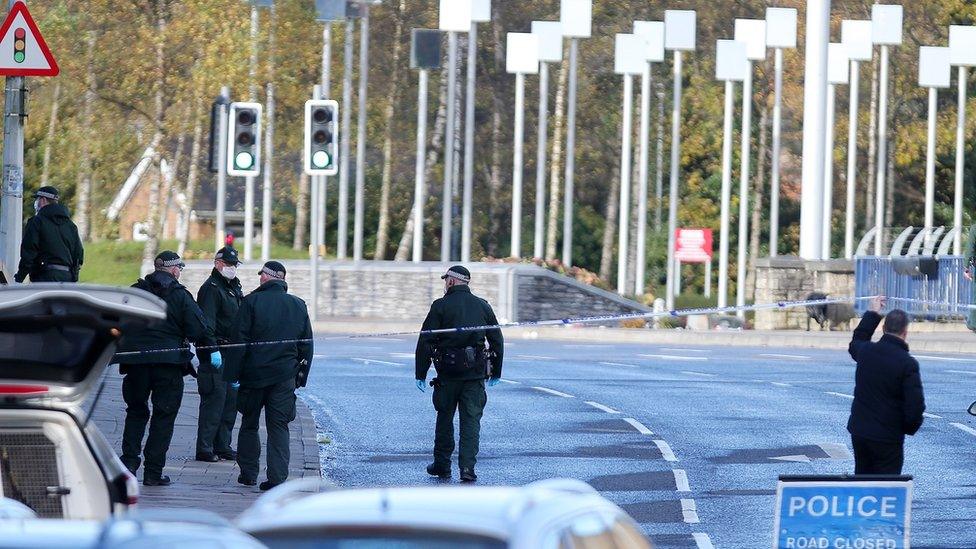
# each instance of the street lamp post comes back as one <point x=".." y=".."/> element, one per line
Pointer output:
<point x="856" y="37"/>
<point x="679" y="36"/>
<point x="522" y="57"/>
<point x="934" y="72"/>
<point x="837" y="73"/>
<point x="962" y="53"/>
<point x="886" y="23"/>
<point x="780" y="35"/>
<point x="480" y="13"/>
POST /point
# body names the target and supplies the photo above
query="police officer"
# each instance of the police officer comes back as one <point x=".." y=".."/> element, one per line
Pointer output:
<point x="159" y="375"/>
<point x="220" y="299"/>
<point x="51" y="250"/>
<point x="269" y="374"/>
<point x="463" y="363"/>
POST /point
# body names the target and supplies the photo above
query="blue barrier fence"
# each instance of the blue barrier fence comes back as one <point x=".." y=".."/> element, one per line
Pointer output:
<point x="877" y="276"/>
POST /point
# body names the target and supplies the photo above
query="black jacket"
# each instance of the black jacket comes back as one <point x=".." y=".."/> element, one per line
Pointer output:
<point x="219" y="299"/>
<point x="888" y="398"/>
<point x="184" y="321"/>
<point x="459" y="308"/>
<point x="269" y="313"/>
<point x="50" y="238"/>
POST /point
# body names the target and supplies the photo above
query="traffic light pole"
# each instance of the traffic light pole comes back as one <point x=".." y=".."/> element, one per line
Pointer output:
<point x="469" y="106"/>
<point x="12" y="208"/>
<point x="357" y="246"/>
<point x="314" y="241"/>
<point x="249" y="181"/>
<point x="570" y="156"/>
<point x="447" y="199"/>
<point x="221" y="206"/>
<point x="517" y="165"/>
<point x="342" y="232"/>
<point x="540" y="161"/>
<point x="325" y="93"/>
<point x="266" y="205"/>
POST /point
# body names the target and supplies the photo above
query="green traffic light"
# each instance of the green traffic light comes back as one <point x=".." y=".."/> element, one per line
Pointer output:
<point x="321" y="159"/>
<point x="244" y="161"/>
<point x="19" y="57"/>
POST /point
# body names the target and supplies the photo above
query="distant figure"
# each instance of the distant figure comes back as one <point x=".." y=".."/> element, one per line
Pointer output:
<point x="828" y="315"/>
<point x="51" y="250"/>
<point x="888" y="399"/>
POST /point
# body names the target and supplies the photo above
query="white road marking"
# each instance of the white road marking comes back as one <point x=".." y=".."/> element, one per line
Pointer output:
<point x="402" y="355"/>
<point x="835" y="450"/>
<point x="639" y="426"/>
<point x="509" y="381"/>
<point x="795" y="458"/>
<point x="775" y="355"/>
<point x="966" y="428"/>
<point x="553" y="392"/>
<point x="780" y="384"/>
<point x="535" y="357"/>
<point x="586" y="346"/>
<point x="703" y="541"/>
<point x="318" y="356"/>
<point x="944" y="358"/>
<point x="690" y="511"/>
<point x="619" y="364"/>
<point x="666" y="450"/>
<point x="681" y="480"/>
<point x="676" y="350"/>
<point x="931" y="416"/>
<point x="842" y="395"/>
<point x="601" y="407"/>
<point x="385" y="339"/>
<point x="690" y="373"/>
<point x="374" y="361"/>
<point x="961" y="372"/>
<point x="676" y="357"/>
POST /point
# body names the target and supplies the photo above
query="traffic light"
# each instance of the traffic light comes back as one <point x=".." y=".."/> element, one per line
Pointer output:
<point x="321" y="137"/>
<point x="20" y="45"/>
<point x="244" y="139"/>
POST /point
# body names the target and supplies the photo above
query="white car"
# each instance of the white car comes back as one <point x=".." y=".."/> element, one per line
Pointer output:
<point x="550" y="514"/>
<point x="55" y="343"/>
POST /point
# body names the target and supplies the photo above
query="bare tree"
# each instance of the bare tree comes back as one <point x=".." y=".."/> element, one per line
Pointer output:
<point x="872" y="146"/>
<point x="555" y="159"/>
<point x="759" y="181"/>
<point x="194" y="171"/>
<point x="152" y="229"/>
<point x="301" y="212"/>
<point x="49" y="142"/>
<point x="610" y="229"/>
<point x="383" y="229"/>
<point x="83" y="213"/>
<point x="498" y="104"/>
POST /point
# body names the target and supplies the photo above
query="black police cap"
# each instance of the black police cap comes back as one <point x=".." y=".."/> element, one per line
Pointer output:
<point x="274" y="270"/>
<point x="49" y="192"/>
<point x="167" y="259"/>
<point x="228" y="255"/>
<point x="458" y="272"/>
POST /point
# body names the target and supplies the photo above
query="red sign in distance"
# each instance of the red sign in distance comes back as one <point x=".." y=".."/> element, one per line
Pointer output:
<point x="693" y="245"/>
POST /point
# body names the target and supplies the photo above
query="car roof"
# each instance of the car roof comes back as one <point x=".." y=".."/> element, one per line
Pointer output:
<point x="489" y="511"/>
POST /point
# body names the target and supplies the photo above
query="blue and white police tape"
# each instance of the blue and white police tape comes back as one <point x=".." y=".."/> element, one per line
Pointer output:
<point x="535" y="323"/>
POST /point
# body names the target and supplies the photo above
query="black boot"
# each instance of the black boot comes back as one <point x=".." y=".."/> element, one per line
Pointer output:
<point x="435" y="471"/>
<point x="246" y="481"/>
<point x="160" y="481"/>
<point x="267" y="485"/>
<point x="467" y="474"/>
<point x="209" y="457"/>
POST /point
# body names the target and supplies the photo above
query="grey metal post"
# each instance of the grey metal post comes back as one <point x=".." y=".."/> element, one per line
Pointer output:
<point x="342" y="231"/>
<point x="960" y="161"/>
<point x="325" y="93"/>
<point x="249" y="181"/>
<point x="447" y="197"/>
<point x="828" y="200"/>
<point x="814" y="102"/>
<point x="744" y="159"/>
<point x="623" y="226"/>
<point x="640" y="277"/>
<point x="540" y="160"/>
<point x="723" y="243"/>
<point x="777" y="140"/>
<point x="659" y="162"/>
<point x="570" y="155"/>
<point x="269" y="114"/>
<point x="879" y="201"/>
<point x="851" y="160"/>
<point x="517" y="166"/>
<point x="222" y="172"/>
<point x="357" y="237"/>
<point x="469" y="106"/>
<point x="419" y="184"/>
<point x="675" y="160"/>
<point x="708" y="278"/>
<point x="314" y="241"/>
<point x="12" y="209"/>
<point x="930" y="162"/>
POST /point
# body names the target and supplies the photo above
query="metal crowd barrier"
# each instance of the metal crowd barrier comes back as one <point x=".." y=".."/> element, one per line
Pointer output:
<point x="938" y="280"/>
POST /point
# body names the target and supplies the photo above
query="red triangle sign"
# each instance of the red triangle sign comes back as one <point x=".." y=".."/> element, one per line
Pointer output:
<point x="23" y="51"/>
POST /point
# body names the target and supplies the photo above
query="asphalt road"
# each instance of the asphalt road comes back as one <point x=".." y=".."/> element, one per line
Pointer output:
<point x="689" y="440"/>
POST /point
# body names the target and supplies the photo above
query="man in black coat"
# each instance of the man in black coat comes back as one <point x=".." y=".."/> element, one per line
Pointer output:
<point x="51" y="250"/>
<point x="888" y="398"/>
<point x="463" y="363"/>
<point x="268" y="374"/>
<point x="220" y="299"/>
<point x="154" y="361"/>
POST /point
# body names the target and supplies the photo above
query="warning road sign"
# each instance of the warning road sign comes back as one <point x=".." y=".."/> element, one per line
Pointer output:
<point x="23" y="51"/>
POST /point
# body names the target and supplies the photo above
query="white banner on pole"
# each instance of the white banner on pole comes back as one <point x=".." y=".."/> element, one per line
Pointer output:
<point x="886" y="23"/>
<point x="934" y="67"/>
<point x="837" y="65"/>
<point x="731" y="63"/>
<point x="679" y="30"/>
<point x="550" y="35"/>
<point x="629" y="54"/>
<point x="962" y="45"/>
<point x="577" y="18"/>
<point x="752" y="33"/>
<point x="522" y="53"/>
<point x="781" y="28"/>
<point x="856" y="37"/>
<point x="455" y="15"/>
<point x="652" y="32"/>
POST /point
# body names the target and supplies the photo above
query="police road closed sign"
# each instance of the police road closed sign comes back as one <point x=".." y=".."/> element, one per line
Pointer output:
<point x="843" y="514"/>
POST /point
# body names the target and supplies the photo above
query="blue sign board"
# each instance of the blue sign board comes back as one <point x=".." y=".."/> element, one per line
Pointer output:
<point x="843" y="514"/>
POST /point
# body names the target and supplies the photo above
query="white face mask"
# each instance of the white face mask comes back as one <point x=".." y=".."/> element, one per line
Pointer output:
<point x="228" y="272"/>
<point x="37" y="205"/>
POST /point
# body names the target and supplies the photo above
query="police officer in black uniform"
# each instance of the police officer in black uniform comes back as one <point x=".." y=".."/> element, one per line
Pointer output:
<point x="463" y="363"/>
<point x="269" y="374"/>
<point x="159" y="375"/>
<point x="51" y="250"/>
<point x="220" y="299"/>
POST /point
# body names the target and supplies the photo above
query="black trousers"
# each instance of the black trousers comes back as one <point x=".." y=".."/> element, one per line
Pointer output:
<point x="218" y="412"/>
<point x="278" y="403"/>
<point x="163" y="384"/>
<point x="52" y="275"/>
<point x="872" y="457"/>
<point x="468" y="398"/>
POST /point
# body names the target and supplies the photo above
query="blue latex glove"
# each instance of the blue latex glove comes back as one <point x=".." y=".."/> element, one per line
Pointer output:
<point x="493" y="381"/>
<point x="422" y="385"/>
<point x="236" y="385"/>
<point x="216" y="360"/>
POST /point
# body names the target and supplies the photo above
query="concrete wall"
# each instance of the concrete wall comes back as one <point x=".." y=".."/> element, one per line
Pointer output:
<point x="791" y="278"/>
<point x="395" y="291"/>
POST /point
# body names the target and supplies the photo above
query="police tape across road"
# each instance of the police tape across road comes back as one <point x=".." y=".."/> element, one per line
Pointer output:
<point x="556" y="322"/>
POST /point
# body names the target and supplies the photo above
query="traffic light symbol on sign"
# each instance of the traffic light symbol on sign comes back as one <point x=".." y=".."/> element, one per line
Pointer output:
<point x="244" y="139"/>
<point x="20" y="45"/>
<point x="321" y="144"/>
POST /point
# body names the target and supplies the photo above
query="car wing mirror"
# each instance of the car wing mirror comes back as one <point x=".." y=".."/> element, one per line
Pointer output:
<point x="972" y="409"/>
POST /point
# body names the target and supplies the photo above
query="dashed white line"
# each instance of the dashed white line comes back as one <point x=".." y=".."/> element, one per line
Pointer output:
<point x="509" y="381"/>
<point x="619" y="364"/>
<point x="966" y="428"/>
<point x="675" y="350"/>
<point x="402" y="355"/>
<point x="702" y="374"/>
<point x="587" y="346"/>
<point x="775" y="355"/>
<point x="385" y="339"/>
<point x="944" y="358"/>
<point x="553" y="392"/>
<point x="677" y="357"/>
<point x="374" y="361"/>
<point x="601" y="407"/>
<point x="681" y="480"/>
<point x="689" y="511"/>
<point x="931" y="416"/>
<point x="961" y="372"/>
<point x="535" y="357"/>
<point x="318" y="356"/>
<point x="639" y="426"/>
<point x="703" y="541"/>
<point x="780" y="384"/>
<point x="842" y="395"/>
<point x="666" y="451"/>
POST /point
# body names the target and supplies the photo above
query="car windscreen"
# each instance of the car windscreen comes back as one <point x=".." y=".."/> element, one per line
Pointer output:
<point x="39" y="350"/>
<point x="364" y="539"/>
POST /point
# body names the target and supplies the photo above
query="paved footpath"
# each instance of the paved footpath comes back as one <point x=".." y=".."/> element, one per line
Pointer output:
<point x="211" y="486"/>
